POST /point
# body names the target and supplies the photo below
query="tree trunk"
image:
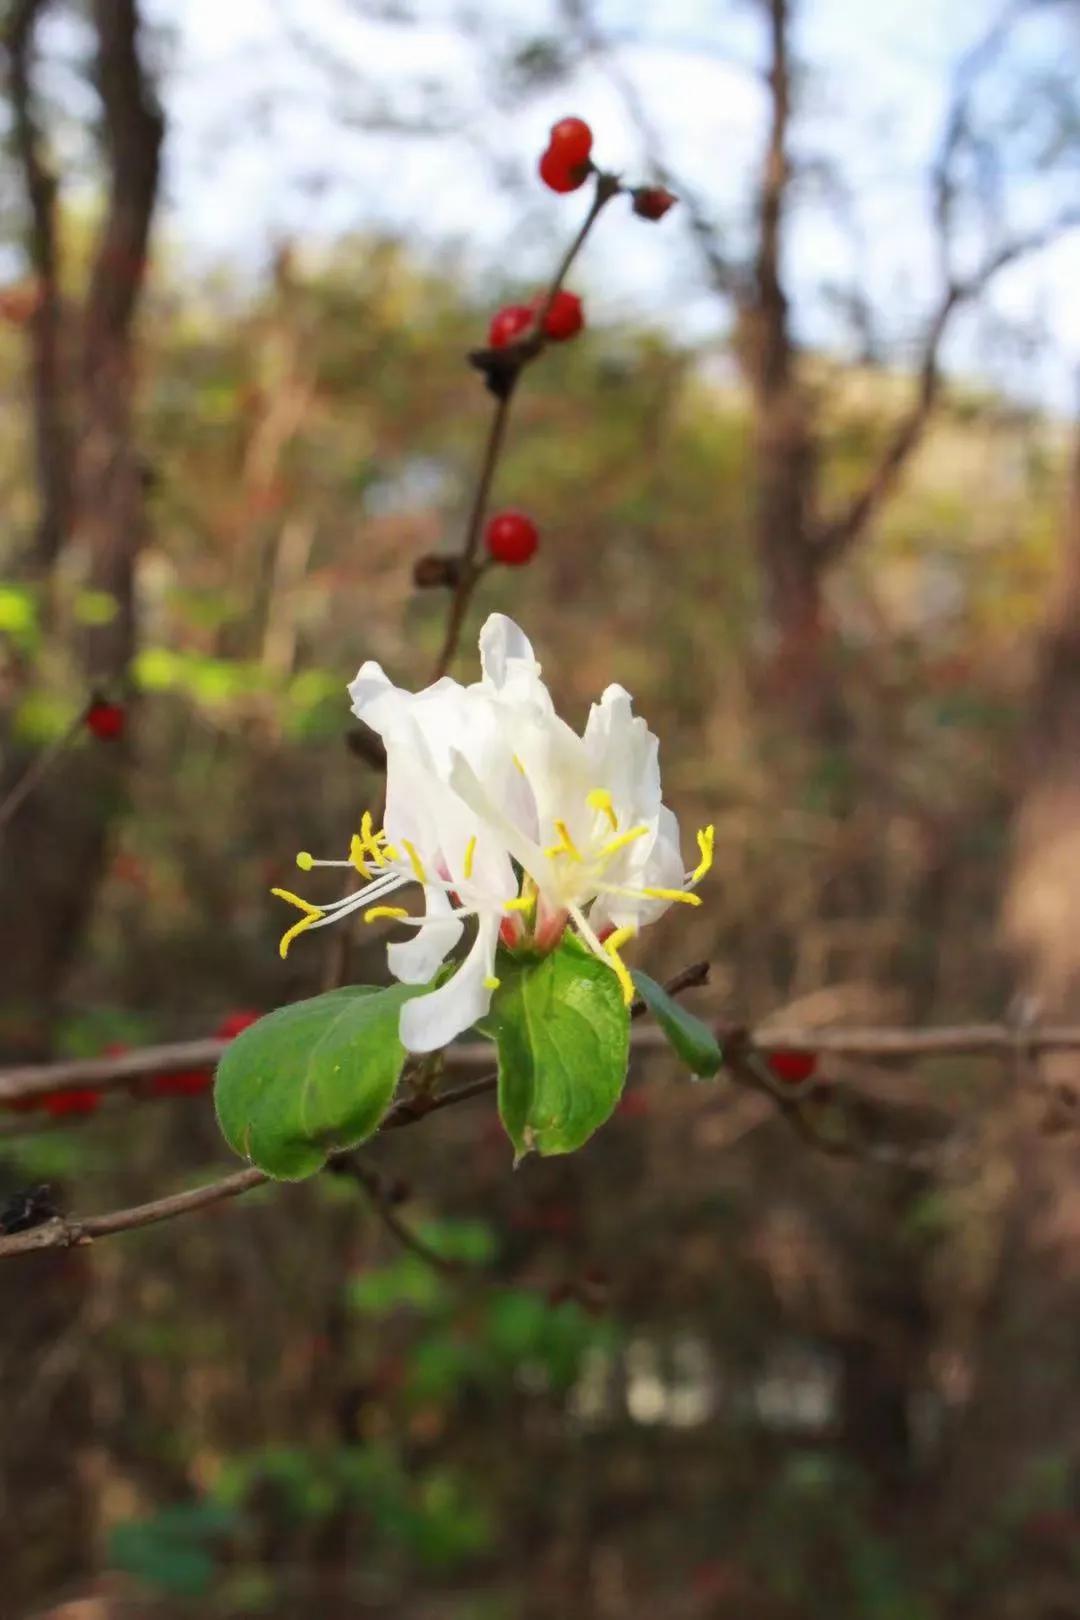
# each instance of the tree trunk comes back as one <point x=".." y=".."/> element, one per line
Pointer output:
<point x="54" y="847"/>
<point x="800" y="675"/>
<point x="1042" y="899"/>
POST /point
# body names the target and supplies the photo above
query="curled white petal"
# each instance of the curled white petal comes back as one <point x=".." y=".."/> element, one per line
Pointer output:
<point x="511" y="672"/>
<point x="432" y="1021"/>
<point x="414" y="961"/>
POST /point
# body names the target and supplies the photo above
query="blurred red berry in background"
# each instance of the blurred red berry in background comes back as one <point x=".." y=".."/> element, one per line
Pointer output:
<point x="508" y="323"/>
<point x="61" y="1104"/>
<point x="571" y="139"/>
<point x="511" y="538"/>
<point x="235" y="1023"/>
<point x="792" y="1067"/>
<point x="565" y="318"/>
<point x="559" y="175"/>
<point x="653" y="202"/>
<point x="106" y="720"/>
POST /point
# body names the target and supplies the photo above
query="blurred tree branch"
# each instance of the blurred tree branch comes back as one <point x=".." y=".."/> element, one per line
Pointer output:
<point x="91" y="498"/>
<point x="798" y="542"/>
<point x="53" y="440"/>
<point x="62" y="1232"/>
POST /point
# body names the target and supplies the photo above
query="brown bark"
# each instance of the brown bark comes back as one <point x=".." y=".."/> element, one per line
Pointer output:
<point x="111" y="474"/>
<point x="53" y="445"/>
<point x="60" y="834"/>
<point x="1042" y="900"/>
<point x="785" y="451"/>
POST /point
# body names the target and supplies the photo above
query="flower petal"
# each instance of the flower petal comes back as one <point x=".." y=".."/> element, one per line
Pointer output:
<point x="431" y="1022"/>
<point x="415" y="960"/>
<point x="624" y="756"/>
<point x="511" y="671"/>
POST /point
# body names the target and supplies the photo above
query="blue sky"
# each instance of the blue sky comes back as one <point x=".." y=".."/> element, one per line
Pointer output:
<point x="256" y="153"/>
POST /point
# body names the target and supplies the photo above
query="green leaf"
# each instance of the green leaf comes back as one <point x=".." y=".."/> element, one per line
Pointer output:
<point x="312" y="1077"/>
<point x="170" y="1550"/>
<point x="563" y="1034"/>
<point x="694" y="1041"/>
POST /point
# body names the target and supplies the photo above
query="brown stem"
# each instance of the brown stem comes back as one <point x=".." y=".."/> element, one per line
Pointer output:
<point x="382" y="1202"/>
<point x="39" y="768"/>
<point x="504" y="368"/>
<point x="469" y="573"/>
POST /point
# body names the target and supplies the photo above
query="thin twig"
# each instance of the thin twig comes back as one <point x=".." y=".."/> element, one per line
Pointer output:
<point x="503" y="368"/>
<point x="383" y="1203"/>
<point x="469" y="573"/>
<point x="961" y="1040"/>
<point x="39" y="768"/>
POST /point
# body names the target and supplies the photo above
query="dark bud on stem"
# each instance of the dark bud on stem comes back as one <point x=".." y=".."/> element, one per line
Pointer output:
<point x="433" y="571"/>
<point x="653" y="202"/>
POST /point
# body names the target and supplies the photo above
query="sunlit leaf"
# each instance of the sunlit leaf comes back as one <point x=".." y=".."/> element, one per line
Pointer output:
<point x="312" y="1077"/>
<point x="562" y="1031"/>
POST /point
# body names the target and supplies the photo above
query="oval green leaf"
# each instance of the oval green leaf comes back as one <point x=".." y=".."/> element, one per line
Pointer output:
<point x="563" y="1035"/>
<point x="311" y="1078"/>
<point x="693" y="1041"/>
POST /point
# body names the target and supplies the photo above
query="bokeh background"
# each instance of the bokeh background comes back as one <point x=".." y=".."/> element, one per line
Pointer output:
<point x="809" y="485"/>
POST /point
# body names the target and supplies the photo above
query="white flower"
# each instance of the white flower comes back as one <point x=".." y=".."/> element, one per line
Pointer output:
<point x="485" y="782"/>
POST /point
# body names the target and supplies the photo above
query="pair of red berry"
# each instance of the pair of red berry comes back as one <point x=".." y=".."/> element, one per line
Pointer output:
<point x="564" y="319"/>
<point x="566" y="164"/>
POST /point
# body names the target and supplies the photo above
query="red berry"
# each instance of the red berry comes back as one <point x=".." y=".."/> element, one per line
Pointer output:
<point x="792" y="1067"/>
<point x="653" y="202"/>
<point x="559" y="175"/>
<point x="508" y="324"/>
<point x="512" y="538"/>
<point x="106" y="720"/>
<point x="235" y="1023"/>
<point x="572" y="139"/>
<point x="188" y="1083"/>
<point x="635" y="1104"/>
<point x="565" y="318"/>
<point x="62" y="1103"/>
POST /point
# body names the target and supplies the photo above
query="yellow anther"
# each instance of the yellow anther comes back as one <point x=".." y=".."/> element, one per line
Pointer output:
<point x="356" y="855"/>
<point x="524" y="902"/>
<point x="290" y="933"/>
<point x="470" y="855"/>
<point x="614" y="846"/>
<point x="612" y="945"/>
<point x="414" y="861"/>
<point x="705" y="840"/>
<point x="374" y="913"/>
<point x="312" y="915"/>
<point x="681" y="895"/>
<point x="517" y="762"/>
<point x="566" y="845"/>
<point x="305" y="861"/>
<point x="296" y="900"/>
<point x="390" y="851"/>
<point x="370" y="839"/>
<point x="600" y="800"/>
<point x="491" y="982"/>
